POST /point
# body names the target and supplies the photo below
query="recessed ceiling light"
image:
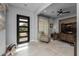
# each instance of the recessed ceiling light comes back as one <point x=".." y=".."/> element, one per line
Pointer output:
<point x="53" y="12"/>
<point x="45" y="11"/>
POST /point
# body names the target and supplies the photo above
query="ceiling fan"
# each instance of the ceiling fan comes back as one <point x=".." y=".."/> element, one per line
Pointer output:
<point x="62" y="12"/>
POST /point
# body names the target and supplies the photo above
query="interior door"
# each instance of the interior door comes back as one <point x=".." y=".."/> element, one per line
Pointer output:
<point x="23" y="28"/>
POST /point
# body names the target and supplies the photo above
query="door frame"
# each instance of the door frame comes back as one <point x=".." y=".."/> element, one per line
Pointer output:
<point x="18" y="28"/>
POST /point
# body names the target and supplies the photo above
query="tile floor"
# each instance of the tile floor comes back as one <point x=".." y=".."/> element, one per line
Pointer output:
<point x="54" y="48"/>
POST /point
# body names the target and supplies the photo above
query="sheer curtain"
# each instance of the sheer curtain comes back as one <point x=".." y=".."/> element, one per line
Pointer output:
<point x="43" y="28"/>
<point x="2" y="29"/>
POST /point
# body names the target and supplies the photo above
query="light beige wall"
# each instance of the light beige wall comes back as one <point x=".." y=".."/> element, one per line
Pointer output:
<point x="68" y="20"/>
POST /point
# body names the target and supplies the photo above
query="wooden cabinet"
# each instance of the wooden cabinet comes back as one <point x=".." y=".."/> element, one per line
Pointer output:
<point x="67" y="29"/>
<point x="67" y="37"/>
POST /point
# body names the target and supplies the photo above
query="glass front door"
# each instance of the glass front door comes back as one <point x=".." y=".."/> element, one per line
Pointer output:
<point x="22" y="29"/>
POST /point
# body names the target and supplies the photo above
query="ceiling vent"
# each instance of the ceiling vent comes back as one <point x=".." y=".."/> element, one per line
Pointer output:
<point x="25" y="4"/>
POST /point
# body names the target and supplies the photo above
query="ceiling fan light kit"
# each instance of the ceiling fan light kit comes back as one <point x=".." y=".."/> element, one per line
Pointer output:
<point x="61" y="12"/>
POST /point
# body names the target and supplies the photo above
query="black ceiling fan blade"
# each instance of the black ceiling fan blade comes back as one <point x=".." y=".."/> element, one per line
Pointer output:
<point x="58" y="14"/>
<point x="67" y="12"/>
<point x="60" y="11"/>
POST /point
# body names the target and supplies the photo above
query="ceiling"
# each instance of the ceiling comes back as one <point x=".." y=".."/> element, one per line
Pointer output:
<point x="29" y="6"/>
<point x="51" y="10"/>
